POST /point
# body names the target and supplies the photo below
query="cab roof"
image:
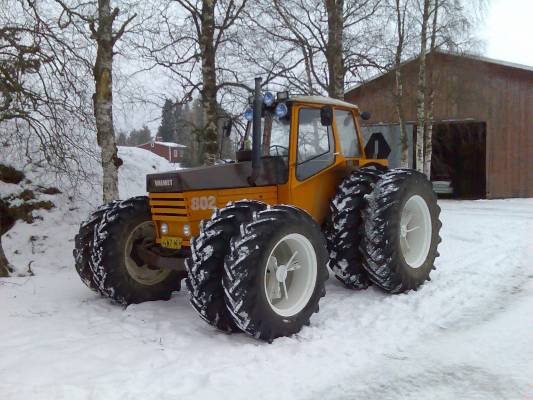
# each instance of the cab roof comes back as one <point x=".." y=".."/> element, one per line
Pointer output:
<point x="322" y="100"/>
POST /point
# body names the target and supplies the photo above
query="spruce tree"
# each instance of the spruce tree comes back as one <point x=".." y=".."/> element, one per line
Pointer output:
<point x="168" y="122"/>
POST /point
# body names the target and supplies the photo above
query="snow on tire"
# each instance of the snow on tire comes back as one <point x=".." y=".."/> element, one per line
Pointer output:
<point x="401" y="231"/>
<point x="83" y="245"/>
<point x="275" y="273"/>
<point x="205" y="266"/>
<point x="117" y="272"/>
<point x="345" y="227"/>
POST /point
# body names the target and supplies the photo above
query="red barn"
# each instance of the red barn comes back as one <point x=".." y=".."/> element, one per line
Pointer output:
<point x="173" y="152"/>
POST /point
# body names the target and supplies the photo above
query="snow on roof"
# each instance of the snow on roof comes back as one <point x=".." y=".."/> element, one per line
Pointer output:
<point x="170" y="144"/>
<point x="322" y="100"/>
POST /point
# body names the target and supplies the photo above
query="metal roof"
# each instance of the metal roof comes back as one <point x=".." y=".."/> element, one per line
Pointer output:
<point x="322" y="100"/>
<point x="450" y="53"/>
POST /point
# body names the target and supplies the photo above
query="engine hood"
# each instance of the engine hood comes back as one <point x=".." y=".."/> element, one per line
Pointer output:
<point x="274" y="171"/>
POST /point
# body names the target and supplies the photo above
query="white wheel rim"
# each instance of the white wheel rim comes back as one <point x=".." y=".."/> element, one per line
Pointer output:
<point x="142" y="273"/>
<point x="415" y="231"/>
<point x="290" y="275"/>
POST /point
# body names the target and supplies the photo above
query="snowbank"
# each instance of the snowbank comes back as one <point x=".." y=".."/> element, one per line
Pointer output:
<point x="47" y="238"/>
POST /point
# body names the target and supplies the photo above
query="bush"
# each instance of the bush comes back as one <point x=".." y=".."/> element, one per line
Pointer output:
<point x="10" y="175"/>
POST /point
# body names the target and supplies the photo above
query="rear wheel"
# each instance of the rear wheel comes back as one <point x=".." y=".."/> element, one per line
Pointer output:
<point x="345" y="227"/>
<point x="274" y="276"/>
<point x="117" y="271"/>
<point x="401" y="231"/>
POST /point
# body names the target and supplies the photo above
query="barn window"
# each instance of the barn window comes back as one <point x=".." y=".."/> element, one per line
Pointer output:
<point x="175" y="153"/>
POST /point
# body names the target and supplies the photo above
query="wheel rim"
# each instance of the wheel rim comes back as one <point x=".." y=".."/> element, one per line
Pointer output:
<point x="143" y="234"/>
<point x="290" y="275"/>
<point x="415" y="231"/>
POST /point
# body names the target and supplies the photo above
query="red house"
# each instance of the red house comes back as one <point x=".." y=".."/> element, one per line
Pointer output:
<point x="173" y="152"/>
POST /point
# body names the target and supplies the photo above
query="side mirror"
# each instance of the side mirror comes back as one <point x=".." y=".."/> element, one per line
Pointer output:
<point x="365" y="115"/>
<point x="227" y="127"/>
<point x="326" y="116"/>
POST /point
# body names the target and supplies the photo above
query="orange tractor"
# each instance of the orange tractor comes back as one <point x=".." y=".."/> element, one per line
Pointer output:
<point x="253" y="238"/>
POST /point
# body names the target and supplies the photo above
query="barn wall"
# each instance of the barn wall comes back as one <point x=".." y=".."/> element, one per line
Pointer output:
<point x="466" y="88"/>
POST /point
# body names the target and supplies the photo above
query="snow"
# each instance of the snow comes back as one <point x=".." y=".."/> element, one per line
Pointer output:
<point x="466" y="334"/>
<point x="171" y="144"/>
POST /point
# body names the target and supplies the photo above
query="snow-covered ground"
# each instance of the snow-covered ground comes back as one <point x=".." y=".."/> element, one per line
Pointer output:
<point x="466" y="334"/>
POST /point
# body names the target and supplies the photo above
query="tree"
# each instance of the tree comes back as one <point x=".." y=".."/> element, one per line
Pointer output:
<point x="421" y="89"/>
<point x="43" y="107"/>
<point x="167" y="129"/>
<point x="323" y="45"/>
<point x="122" y="139"/>
<point x="184" y="38"/>
<point x="100" y="19"/>
<point x="139" y="136"/>
<point x="400" y="12"/>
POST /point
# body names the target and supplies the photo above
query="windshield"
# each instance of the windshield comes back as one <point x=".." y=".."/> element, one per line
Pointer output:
<point x="275" y="133"/>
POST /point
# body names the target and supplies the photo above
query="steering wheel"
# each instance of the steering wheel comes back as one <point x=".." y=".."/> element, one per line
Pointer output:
<point x="277" y="147"/>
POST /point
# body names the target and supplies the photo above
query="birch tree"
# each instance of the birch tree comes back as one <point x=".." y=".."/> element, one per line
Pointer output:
<point x="400" y="9"/>
<point x="185" y="38"/>
<point x="100" y="18"/>
<point x="421" y="90"/>
<point x="326" y="44"/>
<point x="428" y="132"/>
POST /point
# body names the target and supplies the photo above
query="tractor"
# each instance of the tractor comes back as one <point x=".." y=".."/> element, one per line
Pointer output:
<point x="253" y="238"/>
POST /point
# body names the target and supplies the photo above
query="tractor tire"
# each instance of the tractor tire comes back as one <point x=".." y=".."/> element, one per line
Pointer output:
<point x="345" y="227"/>
<point x="401" y="231"/>
<point x="268" y="299"/>
<point x="83" y="246"/>
<point x="206" y="265"/>
<point x="116" y="271"/>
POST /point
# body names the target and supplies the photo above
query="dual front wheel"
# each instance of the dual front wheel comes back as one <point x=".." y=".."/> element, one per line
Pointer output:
<point x="272" y="273"/>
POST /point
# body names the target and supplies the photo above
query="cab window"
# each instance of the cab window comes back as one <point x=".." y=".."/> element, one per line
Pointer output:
<point x="315" y="144"/>
<point x="347" y="133"/>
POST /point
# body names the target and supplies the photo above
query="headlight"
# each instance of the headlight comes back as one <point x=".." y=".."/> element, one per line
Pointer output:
<point x="268" y="99"/>
<point x="281" y="110"/>
<point x="164" y="228"/>
<point x="249" y="114"/>
<point x="186" y="230"/>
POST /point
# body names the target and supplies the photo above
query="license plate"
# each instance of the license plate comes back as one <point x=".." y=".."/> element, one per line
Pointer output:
<point x="171" y="242"/>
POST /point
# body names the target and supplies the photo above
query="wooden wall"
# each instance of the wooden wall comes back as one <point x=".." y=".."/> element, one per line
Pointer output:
<point x="467" y="88"/>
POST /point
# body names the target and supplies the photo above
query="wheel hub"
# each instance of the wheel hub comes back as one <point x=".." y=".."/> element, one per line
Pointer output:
<point x="281" y="273"/>
<point x="290" y="275"/>
<point x="415" y="231"/>
<point x="139" y="271"/>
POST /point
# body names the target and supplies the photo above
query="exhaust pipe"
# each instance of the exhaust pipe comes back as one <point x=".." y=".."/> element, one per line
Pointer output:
<point x="256" y="132"/>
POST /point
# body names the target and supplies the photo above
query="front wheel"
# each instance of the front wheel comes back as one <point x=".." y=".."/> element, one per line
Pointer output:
<point x="274" y="276"/>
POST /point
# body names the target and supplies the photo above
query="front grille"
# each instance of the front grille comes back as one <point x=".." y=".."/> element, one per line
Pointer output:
<point x="168" y="207"/>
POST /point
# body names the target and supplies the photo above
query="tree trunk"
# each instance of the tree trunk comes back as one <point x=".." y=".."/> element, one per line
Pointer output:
<point x="428" y="138"/>
<point x="398" y="94"/>
<point x="334" y="48"/>
<point x="103" y="101"/>
<point x="209" y="89"/>
<point x="5" y="267"/>
<point x="421" y="91"/>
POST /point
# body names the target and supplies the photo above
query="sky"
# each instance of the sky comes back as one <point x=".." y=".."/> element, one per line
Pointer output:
<point x="508" y="31"/>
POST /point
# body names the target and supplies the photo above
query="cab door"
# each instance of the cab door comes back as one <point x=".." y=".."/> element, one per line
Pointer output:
<point x="316" y="165"/>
